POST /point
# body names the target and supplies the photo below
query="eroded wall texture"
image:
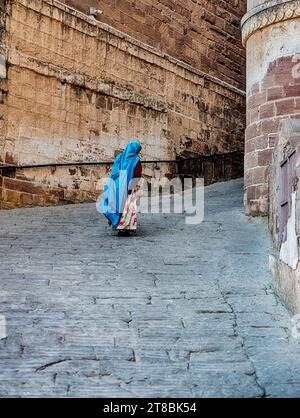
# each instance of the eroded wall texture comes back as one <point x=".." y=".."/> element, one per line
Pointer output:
<point x="76" y="89"/>
<point x="285" y="213"/>
<point x="204" y="33"/>
<point x="271" y="34"/>
<point x="3" y="73"/>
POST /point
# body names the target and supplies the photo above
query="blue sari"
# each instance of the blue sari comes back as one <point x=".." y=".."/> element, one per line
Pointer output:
<point x="116" y="190"/>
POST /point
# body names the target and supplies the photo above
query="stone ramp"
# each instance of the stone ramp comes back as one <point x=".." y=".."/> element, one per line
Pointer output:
<point x="177" y="311"/>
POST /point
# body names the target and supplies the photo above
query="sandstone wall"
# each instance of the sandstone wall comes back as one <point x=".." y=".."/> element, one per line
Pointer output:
<point x="78" y="89"/>
<point x="2" y="86"/>
<point x="271" y="35"/>
<point x="285" y="220"/>
<point x="252" y="4"/>
<point x="203" y="33"/>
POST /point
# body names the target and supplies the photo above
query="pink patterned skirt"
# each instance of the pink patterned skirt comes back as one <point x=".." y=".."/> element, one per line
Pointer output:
<point x="128" y="221"/>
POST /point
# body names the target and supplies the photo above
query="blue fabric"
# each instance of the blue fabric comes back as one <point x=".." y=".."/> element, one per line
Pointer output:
<point x="116" y="190"/>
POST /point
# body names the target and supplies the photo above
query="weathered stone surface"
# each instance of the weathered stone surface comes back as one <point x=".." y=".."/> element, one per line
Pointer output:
<point x="189" y="311"/>
<point x="270" y="34"/>
<point x="284" y="220"/>
<point x="204" y="34"/>
<point x="77" y="89"/>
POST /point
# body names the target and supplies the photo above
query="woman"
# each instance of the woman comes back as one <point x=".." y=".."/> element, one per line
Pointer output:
<point x="119" y="199"/>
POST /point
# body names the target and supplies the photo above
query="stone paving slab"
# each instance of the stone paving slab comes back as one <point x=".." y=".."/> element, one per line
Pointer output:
<point x="177" y="311"/>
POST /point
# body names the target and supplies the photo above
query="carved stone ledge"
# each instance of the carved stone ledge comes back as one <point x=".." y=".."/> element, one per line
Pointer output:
<point x="268" y="14"/>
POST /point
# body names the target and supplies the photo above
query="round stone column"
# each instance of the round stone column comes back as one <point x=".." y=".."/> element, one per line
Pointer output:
<point x="271" y="34"/>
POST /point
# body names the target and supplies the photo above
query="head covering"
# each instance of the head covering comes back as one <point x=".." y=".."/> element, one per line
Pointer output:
<point x="130" y="153"/>
<point x="116" y="190"/>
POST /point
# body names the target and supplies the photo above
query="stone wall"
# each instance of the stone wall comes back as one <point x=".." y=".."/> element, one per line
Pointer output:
<point x="285" y="213"/>
<point x="252" y="4"/>
<point x="3" y="73"/>
<point x="269" y="102"/>
<point x="203" y="33"/>
<point x="78" y="89"/>
<point x="271" y="34"/>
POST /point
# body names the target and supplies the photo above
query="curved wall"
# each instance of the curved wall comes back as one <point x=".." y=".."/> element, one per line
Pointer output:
<point x="271" y="33"/>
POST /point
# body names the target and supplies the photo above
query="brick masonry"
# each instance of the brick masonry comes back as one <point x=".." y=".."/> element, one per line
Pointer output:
<point x="270" y="31"/>
<point x="205" y="34"/>
<point x="77" y="89"/>
<point x="2" y="85"/>
<point x="269" y="103"/>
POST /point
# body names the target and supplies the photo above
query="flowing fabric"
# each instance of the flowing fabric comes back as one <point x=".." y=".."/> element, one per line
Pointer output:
<point x="128" y="220"/>
<point x="115" y="193"/>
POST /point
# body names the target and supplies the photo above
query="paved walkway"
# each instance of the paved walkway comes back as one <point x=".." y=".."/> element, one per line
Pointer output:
<point x="179" y="310"/>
